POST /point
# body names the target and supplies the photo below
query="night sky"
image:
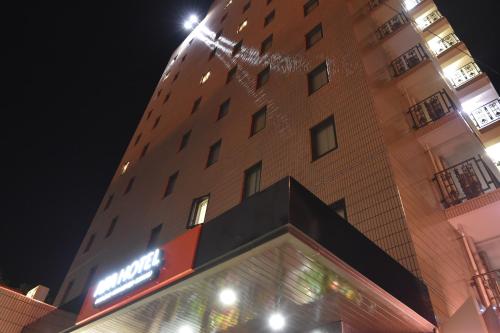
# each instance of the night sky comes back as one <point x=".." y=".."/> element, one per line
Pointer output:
<point x="77" y="78"/>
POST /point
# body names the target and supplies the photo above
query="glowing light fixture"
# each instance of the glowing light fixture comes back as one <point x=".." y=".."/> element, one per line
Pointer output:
<point x="276" y="321"/>
<point x="185" y="329"/>
<point x="410" y="4"/>
<point x="242" y="26"/>
<point x="205" y="77"/>
<point x="191" y="22"/>
<point x="125" y="167"/>
<point x="228" y="297"/>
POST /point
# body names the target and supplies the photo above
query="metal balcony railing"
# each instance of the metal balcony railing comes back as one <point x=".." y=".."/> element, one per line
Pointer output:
<point x="490" y="281"/>
<point x="410" y="4"/>
<point x="408" y="60"/>
<point x="486" y="114"/>
<point x="445" y="43"/>
<point x="431" y="109"/>
<point x="428" y="20"/>
<point x="465" y="181"/>
<point x="390" y="26"/>
<point x="465" y="74"/>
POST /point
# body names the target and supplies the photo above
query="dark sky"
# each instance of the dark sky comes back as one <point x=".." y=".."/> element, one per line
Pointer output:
<point x="76" y="80"/>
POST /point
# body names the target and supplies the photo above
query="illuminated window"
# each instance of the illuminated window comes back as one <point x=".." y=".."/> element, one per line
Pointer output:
<point x="323" y="138"/>
<point x="109" y="201"/>
<point x="205" y="77"/>
<point x="247" y="6"/>
<point x="112" y="227"/>
<point x="231" y="74"/>
<point x="314" y="36"/>
<point x="269" y="18"/>
<point x="129" y="185"/>
<point x="263" y="77"/>
<point x="157" y="121"/>
<point x="258" y="121"/>
<point x="223" y="109"/>
<point x="198" y="211"/>
<point x="196" y="105"/>
<point x="171" y="184"/>
<point x="228" y="3"/>
<point x="213" y="153"/>
<point x="144" y="150"/>
<point x="242" y="26"/>
<point x="310" y="6"/>
<point x="153" y="237"/>
<point x="137" y="139"/>
<point x="185" y="140"/>
<point x="317" y="78"/>
<point x="237" y="48"/>
<point x="89" y="243"/>
<point x="125" y="167"/>
<point x="252" y="180"/>
<point x="266" y="45"/>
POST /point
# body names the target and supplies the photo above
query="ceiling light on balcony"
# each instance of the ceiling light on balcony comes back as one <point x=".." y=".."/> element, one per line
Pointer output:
<point x="228" y="297"/>
<point x="276" y="321"/>
<point x="191" y="22"/>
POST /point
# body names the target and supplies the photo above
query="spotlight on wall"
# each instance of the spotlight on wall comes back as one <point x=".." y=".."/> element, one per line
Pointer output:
<point x="276" y="321"/>
<point x="191" y="22"/>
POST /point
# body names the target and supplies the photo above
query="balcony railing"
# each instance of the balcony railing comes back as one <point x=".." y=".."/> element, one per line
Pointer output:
<point x="390" y="26"/>
<point x="431" y="109"/>
<point x="464" y="181"/>
<point x="410" y="4"/>
<point x="491" y="282"/>
<point x="465" y="74"/>
<point x="486" y="114"/>
<point x="408" y="60"/>
<point x="428" y="20"/>
<point x="445" y="43"/>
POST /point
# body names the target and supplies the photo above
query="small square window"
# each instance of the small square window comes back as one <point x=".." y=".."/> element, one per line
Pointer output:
<point x="144" y="150"/>
<point x="167" y="97"/>
<point x="258" y="121"/>
<point x="213" y="153"/>
<point x="237" y="48"/>
<point x="137" y="139"/>
<point x="266" y="45"/>
<point x="154" y="236"/>
<point x="157" y="121"/>
<point x="89" y="243"/>
<point x="242" y="26"/>
<point x="109" y="201"/>
<point x="191" y="41"/>
<point x="247" y="6"/>
<point x="129" y="185"/>
<point x="269" y="18"/>
<point x="158" y="93"/>
<point x="149" y="114"/>
<point x="310" y="6"/>
<point x="231" y="74"/>
<point x="323" y="138"/>
<point x="223" y="109"/>
<point x="317" y="78"/>
<point x="198" y="211"/>
<point x="175" y="58"/>
<point x="185" y="140"/>
<point x="217" y="35"/>
<point x="196" y="105"/>
<point x="213" y="53"/>
<point x="171" y="184"/>
<point x="205" y="77"/>
<point x="314" y="36"/>
<point x="223" y="18"/>
<point x="112" y="227"/>
<point x="263" y="77"/>
<point x="252" y="180"/>
<point x="339" y="207"/>
<point x="184" y="58"/>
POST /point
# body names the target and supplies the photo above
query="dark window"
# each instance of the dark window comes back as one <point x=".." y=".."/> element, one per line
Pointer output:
<point x="153" y="238"/>
<point x="269" y="18"/>
<point x="183" y="58"/>
<point x="223" y="18"/>
<point x="247" y="6"/>
<point x="314" y="36"/>
<point x="157" y="121"/>
<point x="323" y="138"/>
<point x="258" y="121"/>
<point x="112" y="226"/>
<point x="213" y="153"/>
<point x="263" y="77"/>
<point x="269" y="1"/>
<point x="317" y="78"/>
<point x="67" y="291"/>
<point x="339" y="207"/>
<point x="196" y="105"/>
<point x="109" y="201"/>
<point x="212" y="53"/>
<point x="171" y="184"/>
<point x="218" y="34"/>
<point x="266" y="45"/>
<point x="167" y="97"/>
<point x="237" y="48"/>
<point x="89" y="243"/>
<point x="191" y="41"/>
<point x="175" y="58"/>
<point x="158" y="93"/>
<point x="144" y="150"/>
<point x="129" y="185"/>
<point x="223" y="109"/>
<point x="309" y="6"/>
<point x="198" y="211"/>
<point x="175" y="77"/>
<point x="252" y="180"/>
<point x="137" y="139"/>
<point x="231" y="74"/>
<point x="184" y="140"/>
<point x="149" y="114"/>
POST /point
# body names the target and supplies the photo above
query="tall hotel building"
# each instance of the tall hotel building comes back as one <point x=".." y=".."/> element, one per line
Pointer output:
<point x="303" y="166"/>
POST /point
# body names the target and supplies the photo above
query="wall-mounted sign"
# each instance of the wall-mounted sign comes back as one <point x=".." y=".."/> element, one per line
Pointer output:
<point x="138" y="272"/>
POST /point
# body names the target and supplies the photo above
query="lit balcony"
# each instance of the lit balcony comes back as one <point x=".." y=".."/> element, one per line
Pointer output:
<point x="486" y="114"/>
<point x="431" y="109"/>
<point x="465" y="181"/>
<point x="408" y="60"/>
<point x="391" y="26"/>
<point x="410" y="4"/>
<point x="439" y="45"/>
<point x="465" y="74"/>
<point x="426" y="21"/>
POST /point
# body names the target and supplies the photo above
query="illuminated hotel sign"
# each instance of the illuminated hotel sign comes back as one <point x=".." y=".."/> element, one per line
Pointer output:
<point x="133" y="275"/>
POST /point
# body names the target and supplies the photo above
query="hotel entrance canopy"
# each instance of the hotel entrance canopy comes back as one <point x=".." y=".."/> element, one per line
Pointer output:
<point x="282" y="252"/>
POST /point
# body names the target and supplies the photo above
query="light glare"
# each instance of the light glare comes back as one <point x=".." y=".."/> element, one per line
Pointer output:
<point x="186" y="329"/>
<point x="276" y="322"/>
<point x="227" y="297"/>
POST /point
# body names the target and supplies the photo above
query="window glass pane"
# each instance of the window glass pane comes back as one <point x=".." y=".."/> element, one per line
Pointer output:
<point x="213" y="154"/>
<point x="112" y="227"/>
<point x="269" y="18"/>
<point x="318" y="78"/>
<point x="309" y="6"/>
<point x="323" y="138"/>
<point x="237" y="48"/>
<point x="223" y="109"/>
<point x="266" y="44"/>
<point x="201" y="211"/>
<point x="259" y="120"/>
<point x="263" y="77"/>
<point x="153" y="238"/>
<point x="185" y="140"/>
<point x="314" y="36"/>
<point x="252" y="180"/>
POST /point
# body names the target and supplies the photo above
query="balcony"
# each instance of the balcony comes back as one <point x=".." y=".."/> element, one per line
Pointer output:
<point x="372" y="4"/>
<point x="410" y="4"/>
<point x="443" y="44"/>
<point x="465" y="181"/>
<point x="486" y="114"/>
<point x="426" y="21"/>
<point x="465" y="74"/>
<point x="408" y="60"/>
<point x="431" y="109"/>
<point x="391" y="26"/>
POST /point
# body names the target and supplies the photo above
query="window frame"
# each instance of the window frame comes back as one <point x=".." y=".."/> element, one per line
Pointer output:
<point x="316" y="71"/>
<point x="171" y="182"/>
<point x="312" y="32"/>
<point x="184" y="140"/>
<point x="246" y="173"/>
<point x="312" y="130"/>
<point x="269" y="39"/>
<point x="215" y="147"/>
<point x="193" y="212"/>
<point x="260" y="83"/>
<point x="144" y="150"/>
<point x="129" y="186"/>
<point x="224" y="106"/>
<point x="196" y="105"/>
<point x="262" y="110"/>
<point x="307" y="5"/>
<point x="111" y="227"/>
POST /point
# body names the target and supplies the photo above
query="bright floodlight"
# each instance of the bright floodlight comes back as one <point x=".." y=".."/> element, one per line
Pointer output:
<point x="276" y="322"/>
<point x="185" y="329"/>
<point x="227" y="297"/>
<point x="191" y="22"/>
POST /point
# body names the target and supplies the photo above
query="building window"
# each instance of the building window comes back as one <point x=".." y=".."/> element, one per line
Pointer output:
<point x="317" y="78"/>
<point x="237" y="48"/>
<point x="263" y="77"/>
<point x="213" y="153"/>
<point x="205" y="77"/>
<point x="314" y="36"/>
<point x="258" y="121"/>
<point x="212" y="53"/>
<point x="157" y="121"/>
<point x="112" y="227"/>
<point x="223" y="18"/>
<point x="184" y="140"/>
<point x="158" y="93"/>
<point x="247" y="6"/>
<point x="269" y="18"/>
<point x="198" y="211"/>
<point x="242" y="26"/>
<point x="231" y="74"/>
<point x="229" y="2"/>
<point x="269" y="1"/>
<point x="137" y="139"/>
<point x="183" y="58"/>
<point x="196" y="105"/>
<point x="144" y="150"/>
<point x="149" y="114"/>
<point x="175" y="77"/>
<point x="153" y="237"/>
<point x="252" y="180"/>
<point x="191" y="41"/>
<point x="89" y="243"/>
<point x="67" y="291"/>
<point x="218" y="34"/>
<point x="171" y="184"/>
<point x="323" y="138"/>
<point x="109" y="201"/>
<point x="266" y="45"/>
<point x="310" y="6"/>
<point x="339" y="207"/>
<point x="167" y="97"/>
<point x="129" y="185"/>
<point x="223" y="109"/>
